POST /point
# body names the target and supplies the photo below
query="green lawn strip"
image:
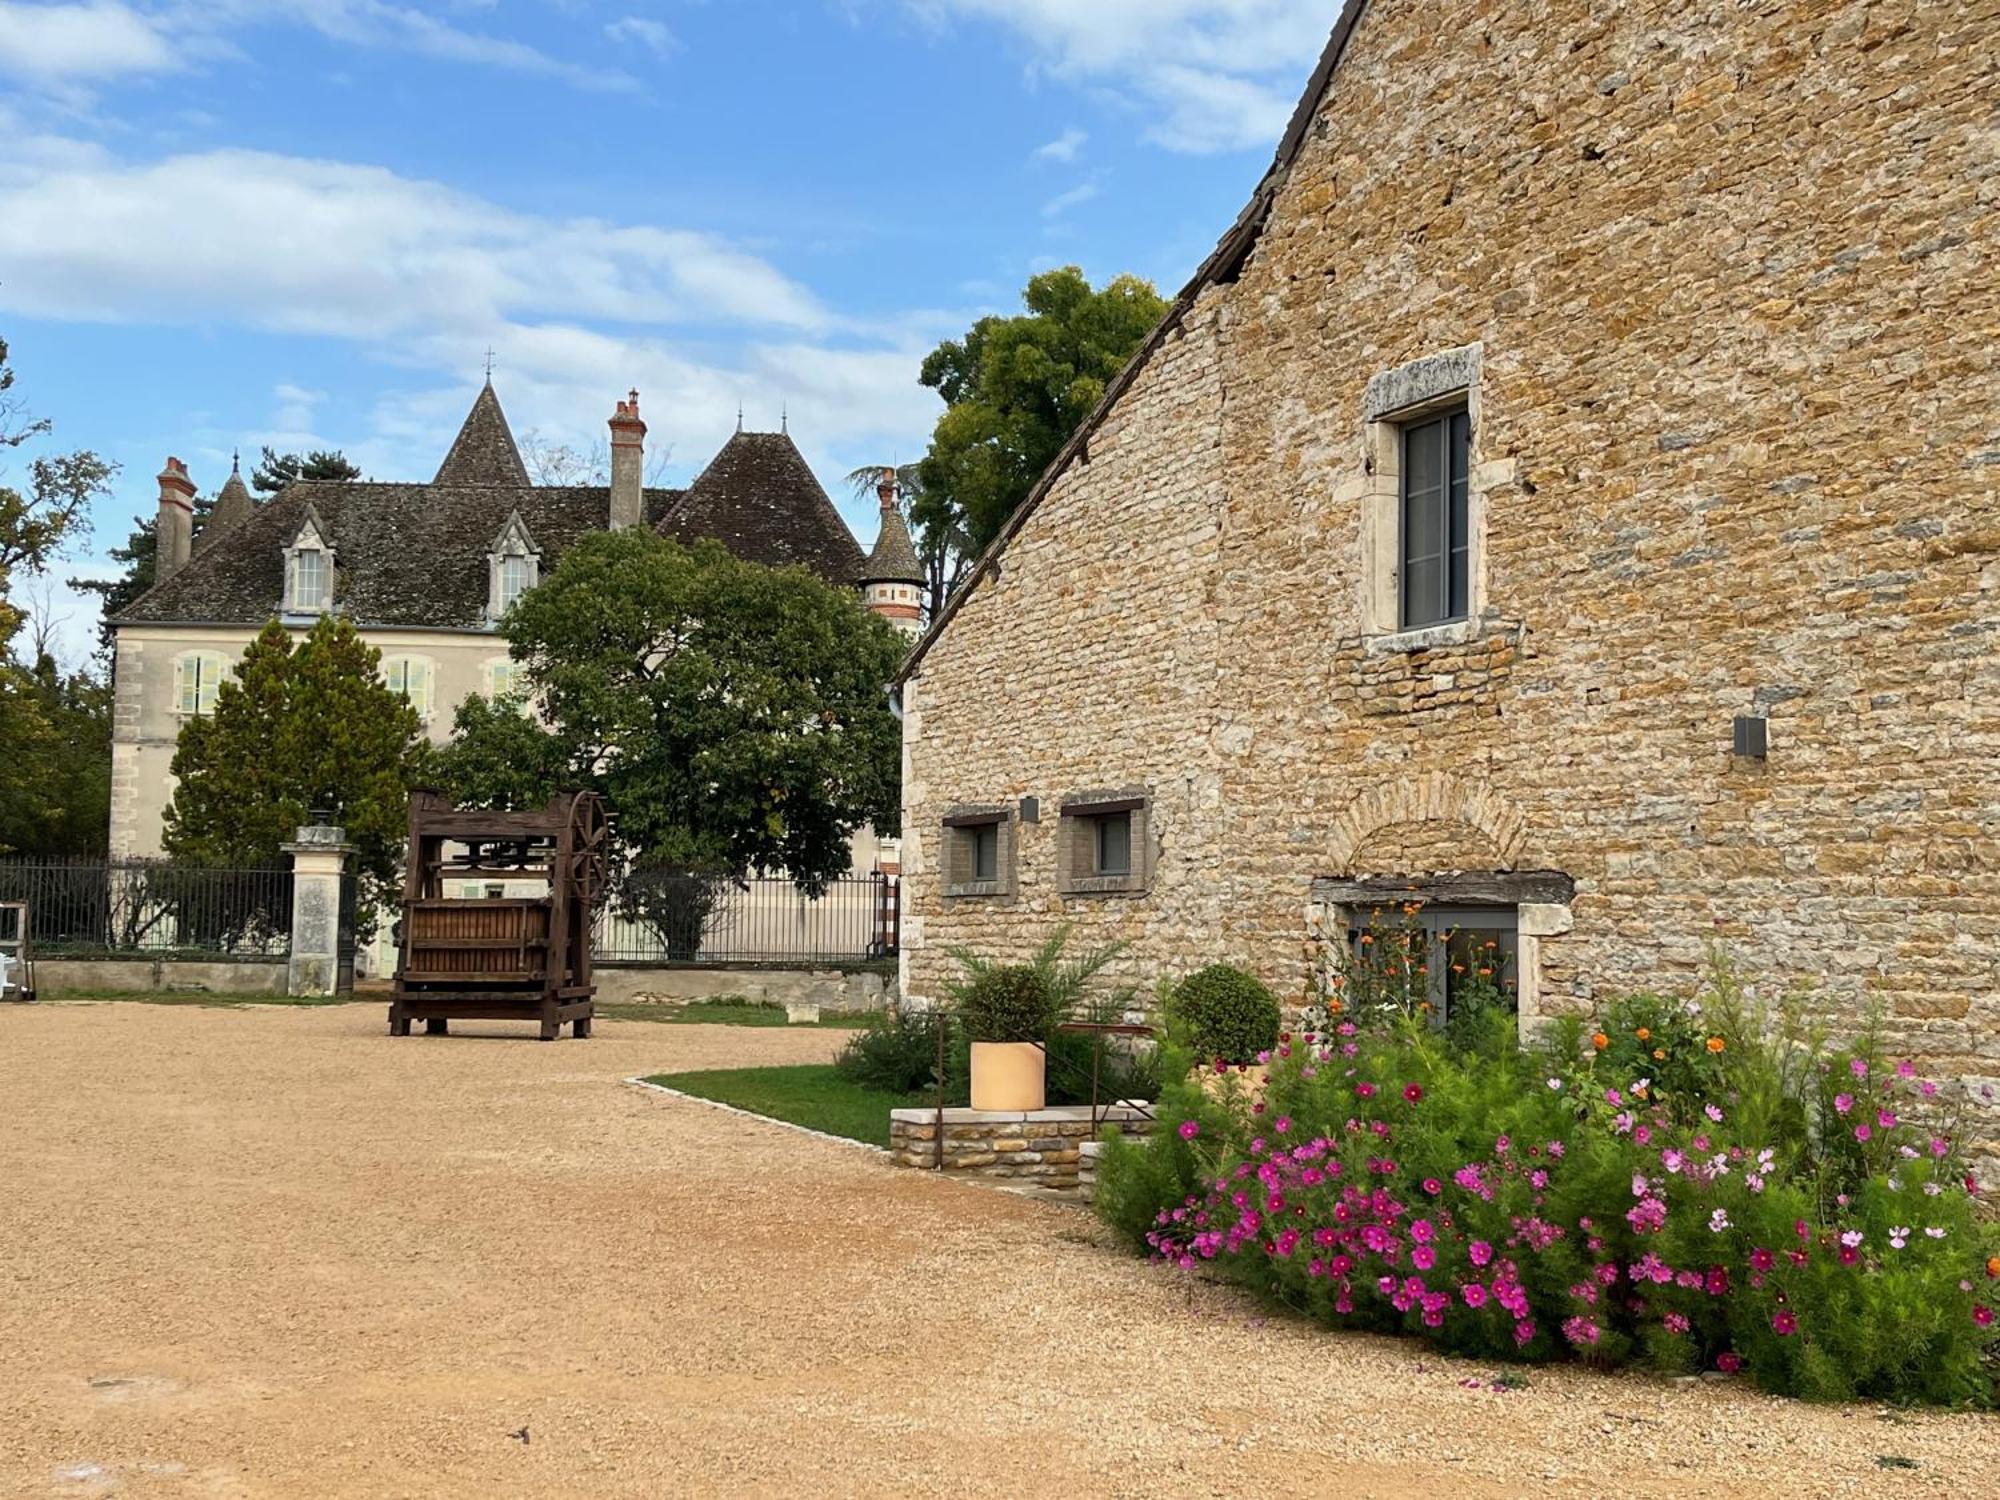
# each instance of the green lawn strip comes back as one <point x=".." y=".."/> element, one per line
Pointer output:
<point x="814" y="1096"/>
<point x="724" y="1012"/>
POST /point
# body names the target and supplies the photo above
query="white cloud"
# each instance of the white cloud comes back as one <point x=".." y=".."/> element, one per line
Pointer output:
<point x="100" y="39"/>
<point x="1063" y="148"/>
<point x="59" y="47"/>
<point x="651" y="35"/>
<point x="1062" y="203"/>
<point x="423" y="279"/>
<point x="297" y="245"/>
<point x="1216" y="75"/>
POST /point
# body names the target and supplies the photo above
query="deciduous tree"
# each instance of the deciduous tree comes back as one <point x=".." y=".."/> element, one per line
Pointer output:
<point x="1015" y="390"/>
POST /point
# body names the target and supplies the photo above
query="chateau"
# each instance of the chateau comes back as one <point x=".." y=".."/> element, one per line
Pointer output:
<point x="425" y="571"/>
<point x="1569" y="495"/>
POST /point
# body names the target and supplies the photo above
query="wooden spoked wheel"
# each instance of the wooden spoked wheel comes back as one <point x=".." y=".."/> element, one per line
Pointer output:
<point x="590" y="850"/>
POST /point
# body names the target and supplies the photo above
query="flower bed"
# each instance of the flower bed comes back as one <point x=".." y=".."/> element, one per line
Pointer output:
<point x="1693" y="1186"/>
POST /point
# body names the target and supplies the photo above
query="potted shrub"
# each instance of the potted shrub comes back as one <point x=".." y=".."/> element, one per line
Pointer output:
<point x="1007" y="1013"/>
<point x="1229" y="1017"/>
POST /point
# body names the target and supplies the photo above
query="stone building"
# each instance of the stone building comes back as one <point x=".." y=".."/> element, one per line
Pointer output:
<point x="426" y="570"/>
<point x="1582" y="388"/>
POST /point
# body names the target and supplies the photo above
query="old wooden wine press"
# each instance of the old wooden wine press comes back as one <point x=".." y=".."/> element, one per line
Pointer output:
<point x="500" y="956"/>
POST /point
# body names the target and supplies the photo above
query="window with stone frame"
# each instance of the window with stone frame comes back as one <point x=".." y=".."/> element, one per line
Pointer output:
<point x="415" y="678"/>
<point x="1104" y="844"/>
<point x="197" y="676"/>
<point x="1423" y="506"/>
<point x="978" y="850"/>
<point x="1456" y="948"/>
<point x="1435" y="545"/>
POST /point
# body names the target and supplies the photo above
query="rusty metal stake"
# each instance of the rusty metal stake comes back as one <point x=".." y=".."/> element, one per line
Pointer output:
<point x="937" y="1134"/>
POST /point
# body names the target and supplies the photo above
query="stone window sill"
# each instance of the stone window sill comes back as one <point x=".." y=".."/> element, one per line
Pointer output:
<point x="978" y="890"/>
<point x="1425" y="638"/>
<point x="1103" y="886"/>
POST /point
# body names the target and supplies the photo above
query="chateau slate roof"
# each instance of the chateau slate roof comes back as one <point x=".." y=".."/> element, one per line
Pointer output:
<point x="894" y="559"/>
<point x="232" y="507"/>
<point x="761" y="500"/>
<point x="1222" y="265"/>
<point x="403" y="554"/>
<point x="484" y="451"/>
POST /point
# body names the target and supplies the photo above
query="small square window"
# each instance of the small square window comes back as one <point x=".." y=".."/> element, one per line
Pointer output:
<point x="1103" y="847"/>
<point x="977" y="852"/>
<point x="1114" y="844"/>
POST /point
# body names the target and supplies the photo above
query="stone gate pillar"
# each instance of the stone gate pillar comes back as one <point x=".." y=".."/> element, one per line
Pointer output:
<point x="319" y="856"/>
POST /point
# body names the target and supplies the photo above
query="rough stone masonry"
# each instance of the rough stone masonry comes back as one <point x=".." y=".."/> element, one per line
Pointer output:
<point x="1719" y="285"/>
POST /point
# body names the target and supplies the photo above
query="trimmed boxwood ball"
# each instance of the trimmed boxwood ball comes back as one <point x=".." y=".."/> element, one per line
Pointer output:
<point x="1007" y="1005"/>
<point x="1228" y="1014"/>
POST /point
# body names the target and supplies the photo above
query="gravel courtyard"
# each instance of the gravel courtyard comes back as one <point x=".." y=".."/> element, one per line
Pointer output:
<point x="272" y="1251"/>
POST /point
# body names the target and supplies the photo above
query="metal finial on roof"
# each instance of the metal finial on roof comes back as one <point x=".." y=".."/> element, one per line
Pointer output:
<point x="785" y="417"/>
<point x="489" y="364"/>
<point x="739" y="416"/>
<point x="235" y="462"/>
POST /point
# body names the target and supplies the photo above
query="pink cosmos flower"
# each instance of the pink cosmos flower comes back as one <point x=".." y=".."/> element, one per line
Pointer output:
<point x="1524" y="1332"/>
<point x="1282" y="1124"/>
<point x="1423" y="1257"/>
<point x="1858" y="1068"/>
<point x="1412" y="1094"/>
<point x="1189" y="1130"/>
<point x="1579" y="1331"/>
<point x="1982" y="1316"/>
<point x="1762" y="1259"/>
<point x="1862" y="1132"/>
<point x="1784" y="1322"/>
<point x="1433" y="1186"/>
<point x="1843" y="1102"/>
<point x="1642" y="1135"/>
<point x="1849" y="1255"/>
<point x="1906" y="1069"/>
<point x="1676" y="1322"/>
<point x="1364" y="1091"/>
<point x="1886" y="1119"/>
<point x="1473" y="1293"/>
<point x="1729" y="1364"/>
<point x="1712" y="1112"/>
<point x="1480" y="1252"/>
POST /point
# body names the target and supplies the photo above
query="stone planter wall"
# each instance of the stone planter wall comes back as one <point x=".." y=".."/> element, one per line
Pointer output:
<point x="1038" y="1147"/>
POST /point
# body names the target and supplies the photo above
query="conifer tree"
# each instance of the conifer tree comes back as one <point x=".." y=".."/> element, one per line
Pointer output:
<point x="299" y="729"/>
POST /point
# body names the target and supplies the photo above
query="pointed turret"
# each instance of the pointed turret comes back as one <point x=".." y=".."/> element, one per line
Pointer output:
<point x="892" y="580"/>
<point x="484" y="452"/>
<point x="233" y="506"/>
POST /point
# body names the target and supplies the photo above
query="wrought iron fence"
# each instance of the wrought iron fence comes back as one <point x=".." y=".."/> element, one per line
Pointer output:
<point x="695" y="919"/>
<point x="144" y="906"/>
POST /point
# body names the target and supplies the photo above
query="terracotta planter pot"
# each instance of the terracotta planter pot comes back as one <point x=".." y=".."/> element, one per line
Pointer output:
<point x="1009" y="1075"/>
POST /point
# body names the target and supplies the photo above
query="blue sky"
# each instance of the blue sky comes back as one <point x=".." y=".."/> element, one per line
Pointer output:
<point x="228" y="223"/>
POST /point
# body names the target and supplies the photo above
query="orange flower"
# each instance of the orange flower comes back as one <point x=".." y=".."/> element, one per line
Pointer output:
<point x="1715" y="1044"/>
<point x="1367" y="937"/>
<point x="1993" y="1268"/>
<point x="1600" y="1041"/>
<point x="1659" y="1055"/>
<point x="1644" y="1033"/>
<point x="1334" y="1007"/>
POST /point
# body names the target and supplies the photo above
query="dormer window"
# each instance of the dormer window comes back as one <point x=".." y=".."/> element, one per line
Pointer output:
<point x="517" y="576"/>
<point x="514" y="565"/>
<point x="309" y="578"/>
<point x="309" y="568"/>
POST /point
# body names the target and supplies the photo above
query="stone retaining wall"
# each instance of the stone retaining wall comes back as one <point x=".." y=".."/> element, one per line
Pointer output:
<point x="832" y="990"/>
<point x="1039" y="1147"/>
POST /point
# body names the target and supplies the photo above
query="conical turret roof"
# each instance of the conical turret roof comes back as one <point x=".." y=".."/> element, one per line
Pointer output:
<point x="484" y="452"/>
<point x="894" y="559"/>
<point x="232" y="507"/>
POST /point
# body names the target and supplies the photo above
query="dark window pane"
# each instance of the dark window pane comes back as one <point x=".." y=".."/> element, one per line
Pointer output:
<point x="1114" y="844"/>
<point x="986" y="852"/>
<point x="1436" y="548"/>
<point x="1459" y="459"/>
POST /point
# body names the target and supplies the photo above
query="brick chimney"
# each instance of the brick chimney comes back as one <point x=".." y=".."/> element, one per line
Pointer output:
<point x="628" y="465"/>
<point x="174" y="534"/>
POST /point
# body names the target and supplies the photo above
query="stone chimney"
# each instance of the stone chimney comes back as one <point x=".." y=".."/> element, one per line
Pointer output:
<point x="628" y="465"/>
<point x="174" y="534"/>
